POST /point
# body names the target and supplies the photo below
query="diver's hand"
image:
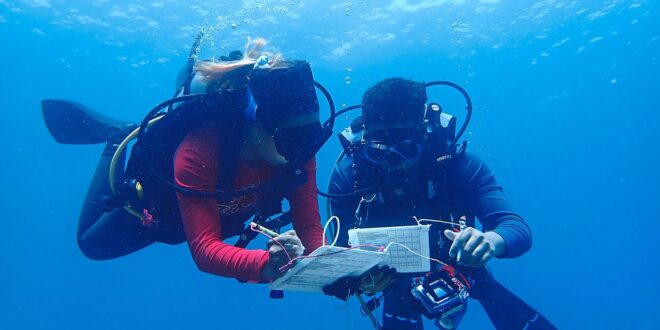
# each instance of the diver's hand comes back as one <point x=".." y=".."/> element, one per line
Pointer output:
<point x="277" y="257"/>
<point x="343" y="288"/>
<point x="375" y="280"/>
<point x="474" y="248"/>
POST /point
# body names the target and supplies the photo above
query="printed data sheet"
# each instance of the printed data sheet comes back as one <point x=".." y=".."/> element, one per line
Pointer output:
<point x="328" y="264"/>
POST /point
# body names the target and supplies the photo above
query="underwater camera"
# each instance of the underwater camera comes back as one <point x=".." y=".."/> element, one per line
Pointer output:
<point x="440" y="294"/>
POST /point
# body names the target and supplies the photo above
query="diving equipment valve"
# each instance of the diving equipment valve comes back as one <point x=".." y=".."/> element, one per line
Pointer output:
<point x="131" y="189"/>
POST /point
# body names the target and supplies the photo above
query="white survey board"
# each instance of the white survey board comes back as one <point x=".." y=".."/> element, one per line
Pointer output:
<point x="416" y="238"/>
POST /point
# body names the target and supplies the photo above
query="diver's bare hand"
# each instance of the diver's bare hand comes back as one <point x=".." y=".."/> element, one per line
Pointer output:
<point x="474" y="248"/>
<point x="289" y="246"/>
<point x="377" y="279"/>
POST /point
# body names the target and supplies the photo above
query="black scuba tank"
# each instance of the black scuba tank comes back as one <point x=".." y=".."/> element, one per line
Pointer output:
<point x="152" y="157"/>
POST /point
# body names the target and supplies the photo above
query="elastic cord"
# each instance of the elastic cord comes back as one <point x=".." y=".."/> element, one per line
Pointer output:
<point x="337" y="230"/>
<point x="413" y="252"/>
<point x="419" y="221"/>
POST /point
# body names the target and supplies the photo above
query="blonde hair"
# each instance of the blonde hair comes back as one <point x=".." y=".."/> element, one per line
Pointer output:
<point x="253" y="54"/>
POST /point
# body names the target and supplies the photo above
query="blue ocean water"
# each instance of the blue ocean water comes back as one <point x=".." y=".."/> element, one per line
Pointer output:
<point x="566" y="97"/>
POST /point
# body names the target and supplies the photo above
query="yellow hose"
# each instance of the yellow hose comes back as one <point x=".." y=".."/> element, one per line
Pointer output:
<point x="115" y="160"/>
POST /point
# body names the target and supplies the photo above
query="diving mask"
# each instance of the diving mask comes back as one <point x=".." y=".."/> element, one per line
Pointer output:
<point x="282" y="98"/>
<point x="400" y="154"/>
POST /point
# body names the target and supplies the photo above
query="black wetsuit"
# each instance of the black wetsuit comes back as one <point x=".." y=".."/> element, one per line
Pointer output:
<point x="466" y="187"/>
<point x="106" y="231"/>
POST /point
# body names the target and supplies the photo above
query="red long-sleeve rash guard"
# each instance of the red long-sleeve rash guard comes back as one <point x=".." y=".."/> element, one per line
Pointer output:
<point x="196" y="167"/>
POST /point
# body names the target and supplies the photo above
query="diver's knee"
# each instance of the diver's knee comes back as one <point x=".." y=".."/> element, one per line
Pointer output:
<point x="91" y="249"/>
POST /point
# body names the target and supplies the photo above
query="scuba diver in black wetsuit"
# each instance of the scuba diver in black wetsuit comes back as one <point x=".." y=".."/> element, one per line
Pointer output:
<point x="401" y="163"/>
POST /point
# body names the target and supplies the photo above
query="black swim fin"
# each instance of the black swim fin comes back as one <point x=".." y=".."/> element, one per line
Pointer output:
<point x="505" y="309"/>
<point x="73" y="123"/>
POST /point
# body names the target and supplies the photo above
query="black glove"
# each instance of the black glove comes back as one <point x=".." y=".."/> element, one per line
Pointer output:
<point x="344" y="287"/>
<point x="374" y="280"/>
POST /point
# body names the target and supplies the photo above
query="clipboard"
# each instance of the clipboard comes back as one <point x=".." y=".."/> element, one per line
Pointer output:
<point x="312" y="274"/>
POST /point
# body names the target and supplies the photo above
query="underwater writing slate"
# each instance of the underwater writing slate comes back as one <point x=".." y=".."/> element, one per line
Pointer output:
<point x="328" y="264"/>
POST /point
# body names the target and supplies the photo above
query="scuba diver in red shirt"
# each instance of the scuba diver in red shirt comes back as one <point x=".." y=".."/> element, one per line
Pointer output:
<point x="239" y="136"/>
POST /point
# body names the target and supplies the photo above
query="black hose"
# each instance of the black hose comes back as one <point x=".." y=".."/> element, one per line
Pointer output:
<point x="345" y="110"/>
<point x="468" y="106"/>
<point x="331" y="121"/>
<point x="152" y="114"/>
